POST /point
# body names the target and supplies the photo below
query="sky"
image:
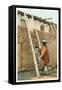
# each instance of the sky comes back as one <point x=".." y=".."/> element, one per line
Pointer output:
<point x="53" y="14"/>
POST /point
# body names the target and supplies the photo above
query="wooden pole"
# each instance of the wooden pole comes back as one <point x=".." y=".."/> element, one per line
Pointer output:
<point x="52" y="28"/>
<point x="36" y="33"/>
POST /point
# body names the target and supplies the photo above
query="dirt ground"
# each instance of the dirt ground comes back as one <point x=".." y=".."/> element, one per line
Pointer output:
<point x="44" y="78"/>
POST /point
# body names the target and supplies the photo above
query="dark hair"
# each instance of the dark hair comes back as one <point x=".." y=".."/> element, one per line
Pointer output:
<point x="44" y="43"/>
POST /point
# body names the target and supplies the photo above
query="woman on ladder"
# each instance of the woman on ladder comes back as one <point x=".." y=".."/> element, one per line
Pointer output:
<point x="44" y="57"/>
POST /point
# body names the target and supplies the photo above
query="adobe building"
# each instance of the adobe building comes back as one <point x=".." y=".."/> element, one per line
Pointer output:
<point x="46" y="30"/>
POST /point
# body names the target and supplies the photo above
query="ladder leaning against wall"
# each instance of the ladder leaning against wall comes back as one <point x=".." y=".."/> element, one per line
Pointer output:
<point x="31" y="43"/>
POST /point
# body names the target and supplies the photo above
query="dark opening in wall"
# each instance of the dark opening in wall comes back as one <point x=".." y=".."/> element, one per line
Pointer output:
<point x="23" y="23"/>
<point x="42" y="27"/>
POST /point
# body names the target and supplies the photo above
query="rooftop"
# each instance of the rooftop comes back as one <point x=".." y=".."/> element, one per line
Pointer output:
<point x="36" y="18"/>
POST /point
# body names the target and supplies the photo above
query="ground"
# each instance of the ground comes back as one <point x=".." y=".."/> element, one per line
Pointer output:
<point x="31" y="75"/>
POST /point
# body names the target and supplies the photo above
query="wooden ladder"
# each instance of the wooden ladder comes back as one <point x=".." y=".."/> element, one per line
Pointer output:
<point x="31" y="43"/>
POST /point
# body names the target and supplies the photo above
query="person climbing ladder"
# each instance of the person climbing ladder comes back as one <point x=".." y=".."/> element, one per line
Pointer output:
<point x="44" y="56"/>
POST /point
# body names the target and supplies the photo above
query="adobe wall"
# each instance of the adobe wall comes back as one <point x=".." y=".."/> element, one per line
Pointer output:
<point x="25" y="57"/>
<point x="28" y="61"/>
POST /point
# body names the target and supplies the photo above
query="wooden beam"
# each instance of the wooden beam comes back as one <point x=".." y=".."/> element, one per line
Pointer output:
<point x="28" y="15"/>
<point x="19" y="12"/>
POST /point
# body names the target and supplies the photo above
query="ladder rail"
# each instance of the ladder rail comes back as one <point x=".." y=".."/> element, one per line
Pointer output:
<point x="36" y="34"/>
